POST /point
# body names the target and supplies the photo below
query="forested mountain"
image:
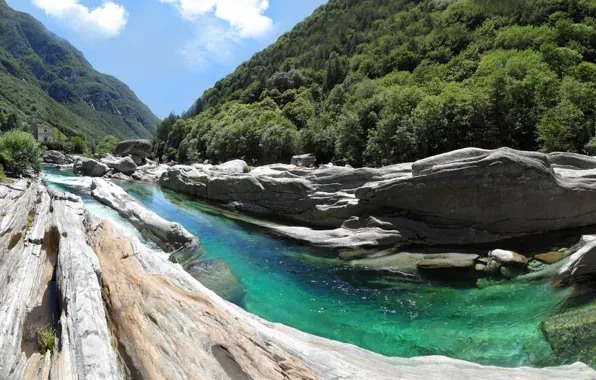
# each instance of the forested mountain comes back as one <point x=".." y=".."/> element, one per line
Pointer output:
<point x="374" y="82"/>
<point x="38" y="67"/>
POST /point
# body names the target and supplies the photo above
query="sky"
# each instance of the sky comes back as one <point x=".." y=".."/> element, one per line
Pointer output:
<point x="168" y="51"/>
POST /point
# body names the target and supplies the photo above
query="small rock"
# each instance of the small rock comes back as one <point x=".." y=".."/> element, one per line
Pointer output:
<point x="480" y="267"/>
<point x="90" y="168"/>
<point x="508" y="257"/>
<point x="54" y="157"/>
<point x="536" y="266"/>
<point x="553" y="257"/>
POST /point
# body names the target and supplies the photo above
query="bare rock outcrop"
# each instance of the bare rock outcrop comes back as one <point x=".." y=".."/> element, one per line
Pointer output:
<point x="169" y="236"/>
<point x="171" y="326"/>
<point x="466" y="196"/>
<point x="127" y="311"/>
<point x="89" y="167"/>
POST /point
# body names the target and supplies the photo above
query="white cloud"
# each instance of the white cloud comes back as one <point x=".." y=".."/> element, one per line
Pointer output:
<point x="108" y="20"/>
<point x="244" y="16"/>
<point x="213" y="41"/>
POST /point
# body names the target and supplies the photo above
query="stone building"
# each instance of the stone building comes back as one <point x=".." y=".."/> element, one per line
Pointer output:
<point x="43" y="132"/>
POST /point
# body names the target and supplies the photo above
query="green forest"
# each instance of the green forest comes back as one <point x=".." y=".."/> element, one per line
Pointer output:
<point x="376" y="82"/>
<point x="37" y="67"/>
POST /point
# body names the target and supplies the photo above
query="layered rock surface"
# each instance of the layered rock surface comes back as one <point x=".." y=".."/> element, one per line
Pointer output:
<point x="169" y="236"/>
<point x="462" y="197"/>
<point x="126" y="311"/>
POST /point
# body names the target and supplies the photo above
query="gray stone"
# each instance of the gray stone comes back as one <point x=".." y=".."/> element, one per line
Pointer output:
<point x="90" y="168"/>
<point x="172" y="237"/>
<point x="124" y="165"/>
<point x="54" y="157"/>
<point x="474" y="186"/>
<point x="508" y="257"/>
<point x="581" y="265"/>
<point x="138" y="148"/>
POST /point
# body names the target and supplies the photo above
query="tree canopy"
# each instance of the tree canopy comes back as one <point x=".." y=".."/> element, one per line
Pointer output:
<point x="375" y="82"/>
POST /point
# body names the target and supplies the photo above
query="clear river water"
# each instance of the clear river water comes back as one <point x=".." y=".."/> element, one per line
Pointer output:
<point x="494" y="324"/>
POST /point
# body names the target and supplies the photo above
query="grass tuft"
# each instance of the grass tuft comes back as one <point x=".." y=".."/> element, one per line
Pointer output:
<point x="46" y="338"/>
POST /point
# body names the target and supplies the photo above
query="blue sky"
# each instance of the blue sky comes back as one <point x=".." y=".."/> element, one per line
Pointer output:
<point x="168" y="51"/>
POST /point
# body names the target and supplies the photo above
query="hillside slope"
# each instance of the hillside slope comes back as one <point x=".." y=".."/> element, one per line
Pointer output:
<point x="374" y="82"/>
<point x="38" y="67"/>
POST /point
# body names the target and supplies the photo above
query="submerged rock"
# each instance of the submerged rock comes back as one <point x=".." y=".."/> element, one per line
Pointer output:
<point x="448" y="261"/>
<point x="571" y="334"/>
<point x="217" y="275"/>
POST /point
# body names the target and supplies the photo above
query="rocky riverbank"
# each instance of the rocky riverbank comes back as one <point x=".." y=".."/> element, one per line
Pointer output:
<point x="468" y="196"/>
<point x="126" y="311"/>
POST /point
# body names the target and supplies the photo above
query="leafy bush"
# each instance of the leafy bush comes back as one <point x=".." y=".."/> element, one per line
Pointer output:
<point x="20" y="153"/>
<point x="2" y="174"/>
<point x="79" y="145"/>
<point x="107" y="146"/>
<point x="247" y="169"/>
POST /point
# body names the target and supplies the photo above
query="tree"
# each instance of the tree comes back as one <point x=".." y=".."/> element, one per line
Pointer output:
<point x="107" y="146"/>
<point x="20" y="153"/>
<point x="79" y="145"/>
<point x="563" y="129"/>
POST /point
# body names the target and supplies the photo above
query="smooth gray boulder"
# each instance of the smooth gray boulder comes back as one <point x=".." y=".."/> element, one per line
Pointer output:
<point x="90" y="168"/>
<point x="54" y="157"/>
<point x="124" y="165"/>
<point x="306" y="160"/>
<point x="139" y="148"/>
<point x="171" y="237"/>
<point x="502" y="192"/>
<point x="462" y="197"/>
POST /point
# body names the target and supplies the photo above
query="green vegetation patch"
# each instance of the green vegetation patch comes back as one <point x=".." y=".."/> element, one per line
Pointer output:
<point x="46" y="339"/>
<point x="375" y="82"/>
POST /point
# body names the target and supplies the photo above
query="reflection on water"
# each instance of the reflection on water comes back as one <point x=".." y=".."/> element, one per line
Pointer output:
<point x="314" y="292"/>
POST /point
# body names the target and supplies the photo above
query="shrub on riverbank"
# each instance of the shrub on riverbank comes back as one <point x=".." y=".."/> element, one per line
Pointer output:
<point x="20" y="153"/>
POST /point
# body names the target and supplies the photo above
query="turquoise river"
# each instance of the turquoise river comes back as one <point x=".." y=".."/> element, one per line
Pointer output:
<point x="311" y="290"/>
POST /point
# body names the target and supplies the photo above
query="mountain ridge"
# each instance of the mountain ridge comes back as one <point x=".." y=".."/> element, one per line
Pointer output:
<point x="39" y="67"/>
